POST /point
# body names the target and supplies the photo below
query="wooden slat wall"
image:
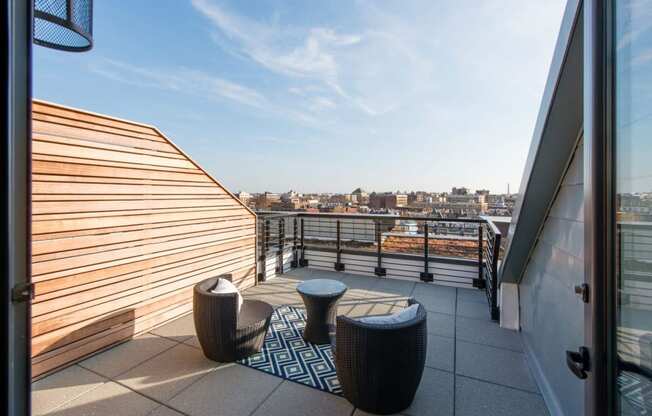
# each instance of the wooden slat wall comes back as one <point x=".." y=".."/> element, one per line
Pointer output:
<point x="123" y="225"/>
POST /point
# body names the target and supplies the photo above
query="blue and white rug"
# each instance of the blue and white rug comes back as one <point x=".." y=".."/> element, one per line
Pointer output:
<point x="637" y="391"/>
<point x="285" y="354"/>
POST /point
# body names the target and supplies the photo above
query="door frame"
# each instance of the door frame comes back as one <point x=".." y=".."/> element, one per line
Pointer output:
<point x="15" y="162"/>
<point x="599" y="204"/>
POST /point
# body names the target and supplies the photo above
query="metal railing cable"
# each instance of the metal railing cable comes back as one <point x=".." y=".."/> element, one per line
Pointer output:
<point x="452" y="251"/>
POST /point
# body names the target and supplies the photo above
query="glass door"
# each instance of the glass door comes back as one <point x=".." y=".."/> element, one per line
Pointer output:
<point x="632" y="145"/>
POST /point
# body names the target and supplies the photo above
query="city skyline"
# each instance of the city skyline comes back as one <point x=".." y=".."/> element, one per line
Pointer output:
<point x="400" y="191"/>
<point x="459" y="202"/>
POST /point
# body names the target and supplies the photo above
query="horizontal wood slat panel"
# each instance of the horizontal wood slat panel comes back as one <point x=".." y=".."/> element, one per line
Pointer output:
<point x="73" y="188"/>
<point x="74" y="114"/>
<point x="64" y="207"/>
<point x="124" y="225"/>
<point x="63" y="246"/>
<point x="68" y="247"/>
<point x="53" y="226"/>
<point x="85" y="331"/>
<point x="124" y="268"/>
<point x="72" y="169"/>
<point x="119" y="197"/>
<point x="82" y="272"/>
<point x="66" y="128"/>
<point x="110" y="180"/>
<point x="104" y="257"/>
<point x="218" y="204"/>
<point x="95" y="307"/>
<point x="92" y="343"/>
<point x="108" y="163"/>
<point x="160" y="272"/>
<point x="103" y="145"/>
<point x="46" y="123"/>
<point x="57" y="149"/>
<point x="125" y="228"/>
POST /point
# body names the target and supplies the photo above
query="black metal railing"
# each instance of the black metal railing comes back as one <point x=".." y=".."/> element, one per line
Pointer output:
<point x="491" y="254"/>
<point x="461" y="252"/>
<point x="634" y="242"/>
<point x="272" y="241"/>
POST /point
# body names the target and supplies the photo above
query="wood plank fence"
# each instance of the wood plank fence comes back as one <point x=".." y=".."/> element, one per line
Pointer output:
<point x="123" y="225"/>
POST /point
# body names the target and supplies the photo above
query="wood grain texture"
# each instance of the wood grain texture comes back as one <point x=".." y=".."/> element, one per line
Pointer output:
<point x="123" y="225"/>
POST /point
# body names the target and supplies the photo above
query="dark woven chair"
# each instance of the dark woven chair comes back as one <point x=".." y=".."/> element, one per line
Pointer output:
<point x="380" y="366"/>
<point x="225" y="335"/>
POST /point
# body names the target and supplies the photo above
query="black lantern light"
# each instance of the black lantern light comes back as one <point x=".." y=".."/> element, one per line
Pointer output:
<point x="64" y="24"/>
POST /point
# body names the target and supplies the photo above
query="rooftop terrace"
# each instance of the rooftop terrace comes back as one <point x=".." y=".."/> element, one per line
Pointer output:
<point x="125" y="225"/>
<point x="473" y="366"/>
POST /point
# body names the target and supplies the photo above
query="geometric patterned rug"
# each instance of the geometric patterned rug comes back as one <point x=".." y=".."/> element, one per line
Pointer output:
<point x="285" y="354"/>
<point x="637" y="391"/>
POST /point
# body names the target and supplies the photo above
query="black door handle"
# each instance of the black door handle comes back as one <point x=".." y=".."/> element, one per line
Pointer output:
<point x="578" y="362"/>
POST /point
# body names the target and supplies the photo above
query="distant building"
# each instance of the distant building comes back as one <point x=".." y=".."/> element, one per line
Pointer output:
<point x="244" y="197"/>
<point x="387" y="200"/>
<point x="465" y="199"/>
<point x="265" y="200"/>
<point x="289" y="196"/>
<point x="495" y="199"/>
<point x="341" y="198"/>
<point x="341" y="209"/>
<point x="417" y="197"/>
<point x="360" y="196"/>
<point x="395" y="201"/>
<point x="460" y="203"/>
<point x="376" y="201"/>
<point x="291" y="204"/>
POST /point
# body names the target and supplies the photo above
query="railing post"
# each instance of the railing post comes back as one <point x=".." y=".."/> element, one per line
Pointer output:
<point x="379" y="270"/>
<point x="281" y="243"/>
<point x="262" y="275"/>
<point x="338" y="264"/>
<point x="495" y="312"/>
<point x="302" y="260"/>
<point x="295" y="255"/>
<point x="426" y="276"/>
<point x="479" y="282"/>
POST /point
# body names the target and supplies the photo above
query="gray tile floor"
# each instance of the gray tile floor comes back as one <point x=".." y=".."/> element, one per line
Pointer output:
<point x="473" y="366"/>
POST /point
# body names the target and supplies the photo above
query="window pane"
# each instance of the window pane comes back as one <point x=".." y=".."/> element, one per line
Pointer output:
<point x="633" y="164"/>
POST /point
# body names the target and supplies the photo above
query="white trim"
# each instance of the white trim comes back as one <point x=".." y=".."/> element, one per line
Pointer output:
<point x="509" y="309"/>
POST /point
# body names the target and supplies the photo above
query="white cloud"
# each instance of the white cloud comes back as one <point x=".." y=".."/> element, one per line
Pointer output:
<point x="319" y="103"/>
<point x="179" y="79"/>
<point x="286" y="140"/>
<point x="352" y="66"/>
<point x="191" y="81"/>
<point x="310" y="56"/>
<point x="202" y="82"/>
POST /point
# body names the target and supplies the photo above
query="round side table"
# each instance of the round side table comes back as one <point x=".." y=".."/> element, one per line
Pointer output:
<point x="320" y="296"/>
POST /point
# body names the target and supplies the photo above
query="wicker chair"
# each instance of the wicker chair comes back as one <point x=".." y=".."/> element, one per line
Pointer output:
<point x="380" y="366"/>
<point x="224" y="334"/>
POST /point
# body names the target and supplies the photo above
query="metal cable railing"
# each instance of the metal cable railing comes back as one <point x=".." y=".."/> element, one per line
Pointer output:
<point x="459" y="252"/>
<point x="492" y="255"/>
<point x="635" y="257"/>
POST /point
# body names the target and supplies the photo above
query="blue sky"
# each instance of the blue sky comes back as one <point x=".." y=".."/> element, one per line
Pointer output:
<point x="322" y="96"/>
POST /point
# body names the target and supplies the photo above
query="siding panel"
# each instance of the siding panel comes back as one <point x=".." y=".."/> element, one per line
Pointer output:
<point x="124" y="224"/>
<point x="552" y="316"/>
